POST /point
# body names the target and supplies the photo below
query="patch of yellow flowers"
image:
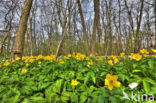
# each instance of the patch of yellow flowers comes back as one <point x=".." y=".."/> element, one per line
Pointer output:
<point x="115" y="59"/>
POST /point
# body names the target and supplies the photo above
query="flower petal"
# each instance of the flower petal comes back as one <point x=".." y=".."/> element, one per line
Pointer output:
<point x="110" y="87"/>
<point x="117" y="84"/>
<point x="106" y="82"/>
<point x="108" y="75"/>
<point x="114" y="77"/>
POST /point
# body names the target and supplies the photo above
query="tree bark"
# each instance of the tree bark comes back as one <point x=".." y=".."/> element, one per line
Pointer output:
<point x="96" y="13"/>
<point x="22" y="27"/>
<point x="154" y="2"/>
<point x="84" y="27"/>
<point x="137" y="46"/>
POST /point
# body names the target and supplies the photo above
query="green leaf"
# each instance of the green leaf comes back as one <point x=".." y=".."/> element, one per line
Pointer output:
<point x="136" y="71"/>
<point x="153" y="90"/>
<point x="151" y="64"/>
<point x="93" y="77"/>
<point x="87" y="78"/>
<point x="146" y="86"/>
<point x="149" y="80"/>
<point x="114" y="99"/>
<point x="99" y="99"/>
<point x="57" y="86"/>
<point x="134" y="66"/>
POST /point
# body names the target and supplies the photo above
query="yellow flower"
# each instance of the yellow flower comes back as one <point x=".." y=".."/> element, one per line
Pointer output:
<point x="73" y="54"/>
<point x="39" y="57"/>
<point x="113" y="56"/>
<point x="110" y="62"/>
<point x="153" y="50"/>
<point x="122" y="54"/>
<point x="6" y="63"/>
<point x="24" y="70"/>
<point x="154" y="56"/>
<point x="137" y="57"/>
<point x="91" y="55"/>
<point x="13" y="61"/>
<point x="87" y="58"/>
<point x="69" y="55"/>
<point x="80" y="56"/>
<point x="39" y="62"/>
<point x="31" y="60"/>
<point x="96" y="59"/>
<point x="17" y="59"/>
<point x="74" y="82"/>
<point x="26" y="61"/>
<point x="0" y="66"/>
<point x="65" y="57"/>
<point x="111" y="81"/>
<point x="145" y="55"/>
<point x="90" y="64"/>
<point x="61" y="62"/>
<point x="144" y="51"/>
<point x="27" y="64"/>
<point x="100" y="59"/>
<point x="116" y="60"/>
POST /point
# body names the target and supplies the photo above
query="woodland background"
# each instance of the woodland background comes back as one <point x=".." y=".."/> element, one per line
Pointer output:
<point x="105" y="27"/>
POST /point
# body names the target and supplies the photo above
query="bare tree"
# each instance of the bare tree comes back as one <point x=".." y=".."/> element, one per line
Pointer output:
<point x="22" y="27"/>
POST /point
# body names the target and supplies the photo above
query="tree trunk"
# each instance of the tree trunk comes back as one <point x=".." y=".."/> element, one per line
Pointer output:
<point x="137" y="39"/>
<point x="154" y="2"/>
<point x="96" y="13"/>
<point x="22" y="27"/>
<point x="84" y="27"/>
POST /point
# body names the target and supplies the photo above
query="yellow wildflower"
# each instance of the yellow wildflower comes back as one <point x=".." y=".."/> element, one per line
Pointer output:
<point x="90" y="64"/>
<point x="17" y="59"/>
<point x="13" y="61"/>
<point x="65" y="57"/>
<point x="74" y="82"/>
<point x="24" y="70"/>
<point x="61" y="62"/>
<point x="145" y="55"/>
<point x="116" y="60"/>
<point x="6" y="63"/>
<point x="137" y="57"/>
<point x="31" y="60"/>
<point x="27" y="64"/>
<point x="87" y="58"/>
<point x="113" y="56"/>
<point x="73" y="54"/>
<point x="153" y="50"/>
<point x="144" y="51"/>
<point x="69" y="55"/>
<point x="110" y="62"/>
<point x="154" y="56"/>
<point x="39" y="57"/>
<point x="100" y="59"/>
<point x="39" y="62"/>
<point x="122" y="54"/>
<point x="111" y="81"/>
<point x="0" y="66"/>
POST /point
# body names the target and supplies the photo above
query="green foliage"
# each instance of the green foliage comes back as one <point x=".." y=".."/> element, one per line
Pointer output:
<point x="50" y="81"/>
